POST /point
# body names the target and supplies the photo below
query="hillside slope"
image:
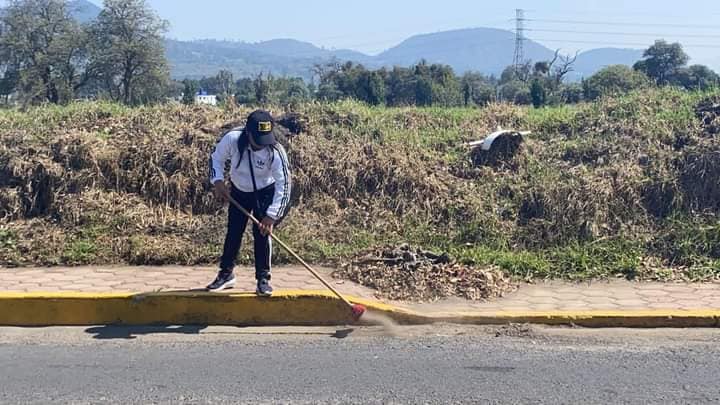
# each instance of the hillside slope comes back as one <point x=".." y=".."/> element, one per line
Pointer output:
<point x="83" y="10"/>
<point x="591" y="61"/>
<point x="486" y="50"/>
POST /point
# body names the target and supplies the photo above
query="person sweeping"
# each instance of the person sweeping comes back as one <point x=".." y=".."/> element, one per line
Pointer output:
<point x="260" y="183"/>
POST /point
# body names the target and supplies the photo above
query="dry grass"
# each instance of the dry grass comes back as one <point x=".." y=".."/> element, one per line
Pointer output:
<point x="99" y="183"/>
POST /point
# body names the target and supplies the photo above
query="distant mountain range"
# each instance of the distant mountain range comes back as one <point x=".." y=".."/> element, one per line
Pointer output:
<point x="486" y="50"/>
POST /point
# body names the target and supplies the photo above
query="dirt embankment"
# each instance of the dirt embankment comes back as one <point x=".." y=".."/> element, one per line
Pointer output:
<point x="600" y="189"/>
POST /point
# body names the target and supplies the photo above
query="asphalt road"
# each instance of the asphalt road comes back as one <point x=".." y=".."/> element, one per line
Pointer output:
<point x="431" y="364"/>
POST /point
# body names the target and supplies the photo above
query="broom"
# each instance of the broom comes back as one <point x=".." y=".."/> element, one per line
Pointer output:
<point x="356" y="310"/>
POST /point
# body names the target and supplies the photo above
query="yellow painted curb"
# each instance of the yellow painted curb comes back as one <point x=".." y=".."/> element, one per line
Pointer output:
<point x="654" y="318"/>
<point x="81" y="309"/>
<point x="291" y="308"/>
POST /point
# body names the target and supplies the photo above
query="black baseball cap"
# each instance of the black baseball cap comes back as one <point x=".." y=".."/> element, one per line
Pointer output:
<point x="261" y="126"/>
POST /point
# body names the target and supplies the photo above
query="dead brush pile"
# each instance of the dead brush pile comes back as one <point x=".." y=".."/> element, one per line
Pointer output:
<point x="406" y="273"/>
<point x="708" y="111"/>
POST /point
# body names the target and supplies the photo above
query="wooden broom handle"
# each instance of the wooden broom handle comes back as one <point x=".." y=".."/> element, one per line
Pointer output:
<point x="295" y="255"/>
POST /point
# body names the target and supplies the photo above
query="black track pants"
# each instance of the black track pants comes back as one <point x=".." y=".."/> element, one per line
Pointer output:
<point x="237" y="221"/>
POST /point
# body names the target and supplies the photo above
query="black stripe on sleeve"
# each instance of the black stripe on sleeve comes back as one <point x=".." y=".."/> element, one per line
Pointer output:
<point x="212" y="169"/>
<point x="286" y="172"/>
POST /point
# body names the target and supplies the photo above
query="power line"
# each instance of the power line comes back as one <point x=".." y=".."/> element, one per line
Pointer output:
<point x="625" y="14"/>
<point x="625" y="33"/>
<point x="632" y="24"/>
<point x="619" y="43"/>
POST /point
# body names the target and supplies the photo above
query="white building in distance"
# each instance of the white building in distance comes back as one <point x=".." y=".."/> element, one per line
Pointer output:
<point x="203" y="98"/>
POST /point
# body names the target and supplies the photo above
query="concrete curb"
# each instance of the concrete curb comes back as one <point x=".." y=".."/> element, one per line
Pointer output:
<point x="291" y="308"/>
<point x="186" y="307"/>
<point x="655" y="318"/>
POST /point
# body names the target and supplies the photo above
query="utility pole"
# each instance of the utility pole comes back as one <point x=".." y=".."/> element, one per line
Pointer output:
<point x="519" y="57"/>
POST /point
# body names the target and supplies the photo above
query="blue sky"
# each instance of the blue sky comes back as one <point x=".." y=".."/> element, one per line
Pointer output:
<point x="374" y="25"/>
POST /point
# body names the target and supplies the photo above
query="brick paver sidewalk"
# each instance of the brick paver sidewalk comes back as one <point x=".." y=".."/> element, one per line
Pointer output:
<point x="597" y="295"/>
<point x="159" y="278"/>
<point x="543" y="296"/>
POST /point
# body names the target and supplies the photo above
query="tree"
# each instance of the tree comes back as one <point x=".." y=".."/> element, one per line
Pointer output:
<point x="245" y="91"/>
<point x="561" y="66"/>
<point x="547" y="79"/>
<point x="262" y="88"/>
<point x="445" y="86"/>
<point x="516" y="91"/>
<point x="476" y="89"/>
<point x="8" y="83"/>
<point x="226" y="84"/>
<point x="542" y="68"/>
<point x="695" y="77"/>
<point x="421" y="84"/>
<point x="521" y="73"/>
<point x="9" y="75"/>
<point x="328" y="78"/>
<point x="661" y="61"/>
<point x="571" y="93"/>
<point x="190" y="89"/>
<point x="43" y="49"/>
<point x="222" y="84"/>
<point x="371" y="87"/>
<point x="400" y="87"/>
<point x="128" y="52"/>
<point x="423" y="91"/>
<point x="537" y="93"/>
<point x="175" y="90"/>
<point x="296" y="91"/>
<point x="615" y="79"/>
<point x="281" y="90"/>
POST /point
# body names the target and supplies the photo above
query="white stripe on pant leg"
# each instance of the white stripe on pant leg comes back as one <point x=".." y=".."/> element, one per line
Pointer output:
<point x="269" y="253"/>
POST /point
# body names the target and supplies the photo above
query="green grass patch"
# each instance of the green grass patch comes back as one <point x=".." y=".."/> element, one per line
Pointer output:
<point x="707" y="270"/>
<point x="688" y="241"/>
<point x="521" y="264"/>
<point x="554" y="120"/>
<point x="324" y="251"/>
<point x="80" y="251"/>
<point x="48" y="117"/>
<point x="573" y="262"/>
<point x="595" y="260"/>
<point x="8" y="239"/>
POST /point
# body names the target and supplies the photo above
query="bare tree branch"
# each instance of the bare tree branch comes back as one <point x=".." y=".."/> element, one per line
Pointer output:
<point x="565" y="67"/>
<point x="554" y="59"/>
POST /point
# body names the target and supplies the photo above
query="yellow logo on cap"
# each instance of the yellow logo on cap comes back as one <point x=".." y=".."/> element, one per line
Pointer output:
<point x="265" y="126"/>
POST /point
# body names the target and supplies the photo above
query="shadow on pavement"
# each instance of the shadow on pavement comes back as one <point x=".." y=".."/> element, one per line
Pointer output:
<point x="131" y="332"/>
<point x="342" y="333"/>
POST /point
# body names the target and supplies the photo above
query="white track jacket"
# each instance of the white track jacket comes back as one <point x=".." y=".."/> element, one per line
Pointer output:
<point x="270" y="165"/>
